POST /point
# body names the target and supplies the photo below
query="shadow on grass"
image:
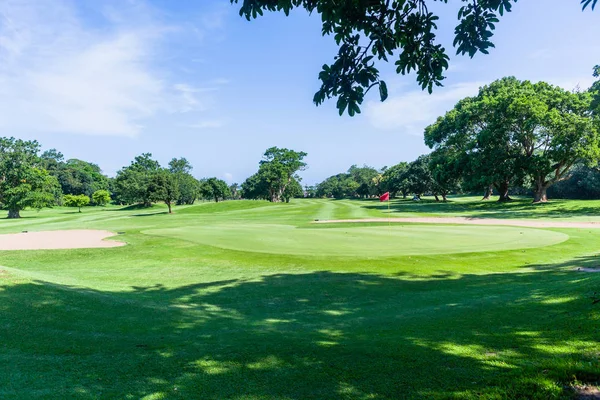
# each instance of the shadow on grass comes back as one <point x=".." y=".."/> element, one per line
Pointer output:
<point x="319" y="335"/>
<point x="518" y="208"/>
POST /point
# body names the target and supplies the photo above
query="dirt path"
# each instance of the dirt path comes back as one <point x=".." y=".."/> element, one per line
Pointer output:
<point x="474" y="221"/>
<point x="50" y="240"/>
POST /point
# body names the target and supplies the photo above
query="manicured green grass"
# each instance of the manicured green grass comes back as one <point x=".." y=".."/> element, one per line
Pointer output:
<point x="197" y="306"/>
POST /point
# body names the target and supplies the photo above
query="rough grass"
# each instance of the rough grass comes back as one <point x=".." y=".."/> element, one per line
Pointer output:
<point x="169" y="317"/>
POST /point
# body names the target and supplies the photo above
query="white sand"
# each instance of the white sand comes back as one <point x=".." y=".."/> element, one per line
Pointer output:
<point x="71" y="239"/>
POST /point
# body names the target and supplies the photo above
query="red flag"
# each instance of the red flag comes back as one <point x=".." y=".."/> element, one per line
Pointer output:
<point x="385" y="197"/>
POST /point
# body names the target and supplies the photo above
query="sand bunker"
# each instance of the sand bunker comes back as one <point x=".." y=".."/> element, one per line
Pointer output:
<point x="50" y="240"/>
<point x="474" y="221"/>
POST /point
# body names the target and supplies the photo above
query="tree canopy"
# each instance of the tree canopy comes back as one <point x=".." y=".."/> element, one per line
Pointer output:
<point x="515" y="130"/>
<point x="371" y="31"/>
<point x="214" y="189"/>
<point x="79" y="200"/>
<point x="277" y="170"/>
<point x="23" y="181"/>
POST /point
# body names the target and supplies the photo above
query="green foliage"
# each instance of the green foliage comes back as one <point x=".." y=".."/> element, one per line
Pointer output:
<point x="235" y="191"/>
<point x="515" y="130"/>
<point x="583" y="183"/>
<point x="395" y="180"/>
<point x="595" y="92"/>
<point x="163" y="186"/>
<point x="214" y="188"/>
<point x="278" y="168"/>
<point x="23" y="183"/>
<point x="189" y="188"/>
<point x="362" y="181"/>
<point x="101" y="197"/>
<point x="418" y="174"/>
<point x="371" y="31"/>
<point x="80" y="200"/>
<point x="338" y="186"/>
<point x="131" y="183"/>
<point x="293" y="189"/>
<point x="180" y="166"/>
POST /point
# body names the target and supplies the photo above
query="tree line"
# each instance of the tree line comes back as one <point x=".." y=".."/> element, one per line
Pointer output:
<point x="30" y="178"/>
<point x="512" y="136"/>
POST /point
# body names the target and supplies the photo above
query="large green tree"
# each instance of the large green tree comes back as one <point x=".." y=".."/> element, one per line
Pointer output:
<point x="189" y="186"/>
<point x="163" y="186"/>
<point x="371" y="31"/>
<point x="23" y="182"/>
<point x="394" y="179"/>
<point x="131" y="182"/>
<point x="278" y="168"/>
<point x="338" y="186"/>
<point x="515" y="130"/>
<point x="214" y="188"/>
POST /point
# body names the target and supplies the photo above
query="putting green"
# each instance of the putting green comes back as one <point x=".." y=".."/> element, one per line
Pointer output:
<point x="363" y="241"/>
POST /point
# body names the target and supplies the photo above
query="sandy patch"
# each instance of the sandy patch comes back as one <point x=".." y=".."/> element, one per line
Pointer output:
<point x="50" y="240"/>
<point x="474" y="221"/>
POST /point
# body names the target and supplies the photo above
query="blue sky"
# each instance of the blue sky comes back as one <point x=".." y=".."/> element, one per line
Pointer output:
<point x="104" y="81"/>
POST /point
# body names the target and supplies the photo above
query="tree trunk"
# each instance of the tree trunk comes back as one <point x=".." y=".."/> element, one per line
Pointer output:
<point x="14" y="214"/>
<point x="169" y="205"/>
<point x="444" y="197"/>
<point x="488" y="192"/>
<point x="79" y="209"/>
<point x="539" y="195"/>
<point x="436" y="197"/>
<point x="502" y="189"/>
<point x="216" y="199"/>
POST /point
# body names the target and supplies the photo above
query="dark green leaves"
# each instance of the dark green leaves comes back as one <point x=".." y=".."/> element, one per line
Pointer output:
<point x="368" y="31"/>
<point x="586" y="3"/>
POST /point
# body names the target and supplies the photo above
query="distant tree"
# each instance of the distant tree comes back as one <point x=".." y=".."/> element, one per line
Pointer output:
<point x="394" y="180"/>
<point x="420" y="180"/>
<point x="132" y="182"/>
<point x="101" y="197"/>
<point x="234" y="189"/>
<point x="255" y="188"/>
<point x="310" y="191"/>
<point x="80" y="177"/>
<point x="180" y="166"/>
<point x="446" y="169"/>
<point x="213" y="188"/>
<point x="163" y="186"/>
<point x="80" y="200"/>
<point x="338" y="186"/>
<point x="367" y="179"/>
<point x="278" y="168"/>
<point x="189" y="188"/>
<point x="367" y="31"/>
<point x="23" y="183"/>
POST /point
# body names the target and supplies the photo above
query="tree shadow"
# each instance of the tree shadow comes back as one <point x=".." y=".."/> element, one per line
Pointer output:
<point x="319" y="335"/>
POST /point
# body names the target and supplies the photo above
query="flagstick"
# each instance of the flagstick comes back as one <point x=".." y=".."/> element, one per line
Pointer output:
<point x="389" y="215"/>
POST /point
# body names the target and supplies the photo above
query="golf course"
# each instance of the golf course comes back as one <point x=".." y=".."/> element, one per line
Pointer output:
<point x="257" y="300"/>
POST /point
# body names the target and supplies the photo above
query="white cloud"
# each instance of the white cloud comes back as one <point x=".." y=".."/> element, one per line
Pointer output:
<point x="413" y="110"/>
<point x="228" y="176"/>
<point x="59" y="75"/>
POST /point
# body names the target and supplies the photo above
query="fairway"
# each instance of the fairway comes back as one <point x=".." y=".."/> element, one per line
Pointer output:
<point x="250" y="300"/>
<point x="363" y="241"/>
